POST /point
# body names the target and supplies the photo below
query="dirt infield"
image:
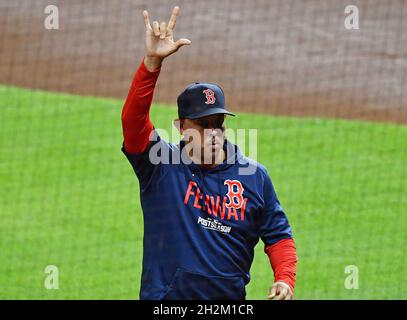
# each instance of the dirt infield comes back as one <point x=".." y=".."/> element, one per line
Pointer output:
<point x="285" y="57"/>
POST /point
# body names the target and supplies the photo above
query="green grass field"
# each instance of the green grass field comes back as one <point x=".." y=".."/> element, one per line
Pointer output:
<point x="69" y="198"/>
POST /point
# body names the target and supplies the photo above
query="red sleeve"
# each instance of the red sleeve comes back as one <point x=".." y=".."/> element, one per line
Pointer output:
<point x="283" y="260"/>
<point x="136" y="122"/>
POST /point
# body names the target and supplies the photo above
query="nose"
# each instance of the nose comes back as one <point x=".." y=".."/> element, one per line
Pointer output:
<point x="214" y="132"/>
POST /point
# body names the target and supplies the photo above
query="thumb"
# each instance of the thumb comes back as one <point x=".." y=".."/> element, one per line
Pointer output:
<point x="272" y="292"/>
<point x="181" y="42"/>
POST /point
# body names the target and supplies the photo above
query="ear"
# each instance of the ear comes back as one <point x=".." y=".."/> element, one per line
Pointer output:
<point x="178" y="123"/>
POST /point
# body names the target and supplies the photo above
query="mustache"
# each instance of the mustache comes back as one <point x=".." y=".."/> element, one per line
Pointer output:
<point x="214" y="140"/>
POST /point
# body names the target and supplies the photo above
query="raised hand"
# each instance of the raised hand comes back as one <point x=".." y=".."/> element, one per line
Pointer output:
<point x="159" y="39"/>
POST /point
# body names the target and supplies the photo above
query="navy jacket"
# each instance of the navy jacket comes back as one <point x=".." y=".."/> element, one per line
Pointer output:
<point x="199" y="237"/>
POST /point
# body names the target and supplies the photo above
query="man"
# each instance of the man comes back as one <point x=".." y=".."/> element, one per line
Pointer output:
<point x="202" y="219"/>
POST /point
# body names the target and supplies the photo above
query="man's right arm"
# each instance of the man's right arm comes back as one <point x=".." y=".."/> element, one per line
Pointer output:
<point x="136" y="122"/>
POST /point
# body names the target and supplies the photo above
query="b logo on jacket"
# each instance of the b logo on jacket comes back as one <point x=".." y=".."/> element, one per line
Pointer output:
<point x="216" y="205"/>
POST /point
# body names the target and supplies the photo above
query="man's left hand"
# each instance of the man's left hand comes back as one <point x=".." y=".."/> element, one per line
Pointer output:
<point x="280" y="291"/>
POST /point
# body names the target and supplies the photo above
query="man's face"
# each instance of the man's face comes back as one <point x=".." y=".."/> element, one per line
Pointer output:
<point x="207" y="134"/>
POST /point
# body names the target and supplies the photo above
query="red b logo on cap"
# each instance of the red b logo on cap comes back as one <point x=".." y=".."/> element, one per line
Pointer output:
<point x="210" y="96"/>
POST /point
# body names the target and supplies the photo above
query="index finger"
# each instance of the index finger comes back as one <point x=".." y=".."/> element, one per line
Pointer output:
<point x="282" y="294"/>
<point x="146" y="19"/>
<point x="173" y="19"/>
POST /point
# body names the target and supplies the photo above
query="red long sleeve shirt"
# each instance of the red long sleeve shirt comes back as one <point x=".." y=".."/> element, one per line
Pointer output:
<point x="136" y="122"/>
<point x="137" y="128"/>
<point x="283" y="260"/>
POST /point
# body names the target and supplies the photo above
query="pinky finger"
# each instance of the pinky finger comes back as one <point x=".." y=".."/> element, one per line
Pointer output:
<point x="146" y="19"/>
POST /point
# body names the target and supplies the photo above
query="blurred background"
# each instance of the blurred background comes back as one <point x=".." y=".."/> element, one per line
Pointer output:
<point x="329" y="104"/>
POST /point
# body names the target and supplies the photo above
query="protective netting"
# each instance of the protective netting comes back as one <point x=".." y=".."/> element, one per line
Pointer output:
<point x="329" y="105"/>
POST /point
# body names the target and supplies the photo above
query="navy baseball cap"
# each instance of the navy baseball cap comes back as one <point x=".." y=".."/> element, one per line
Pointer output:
<point x="200" y="100"/>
